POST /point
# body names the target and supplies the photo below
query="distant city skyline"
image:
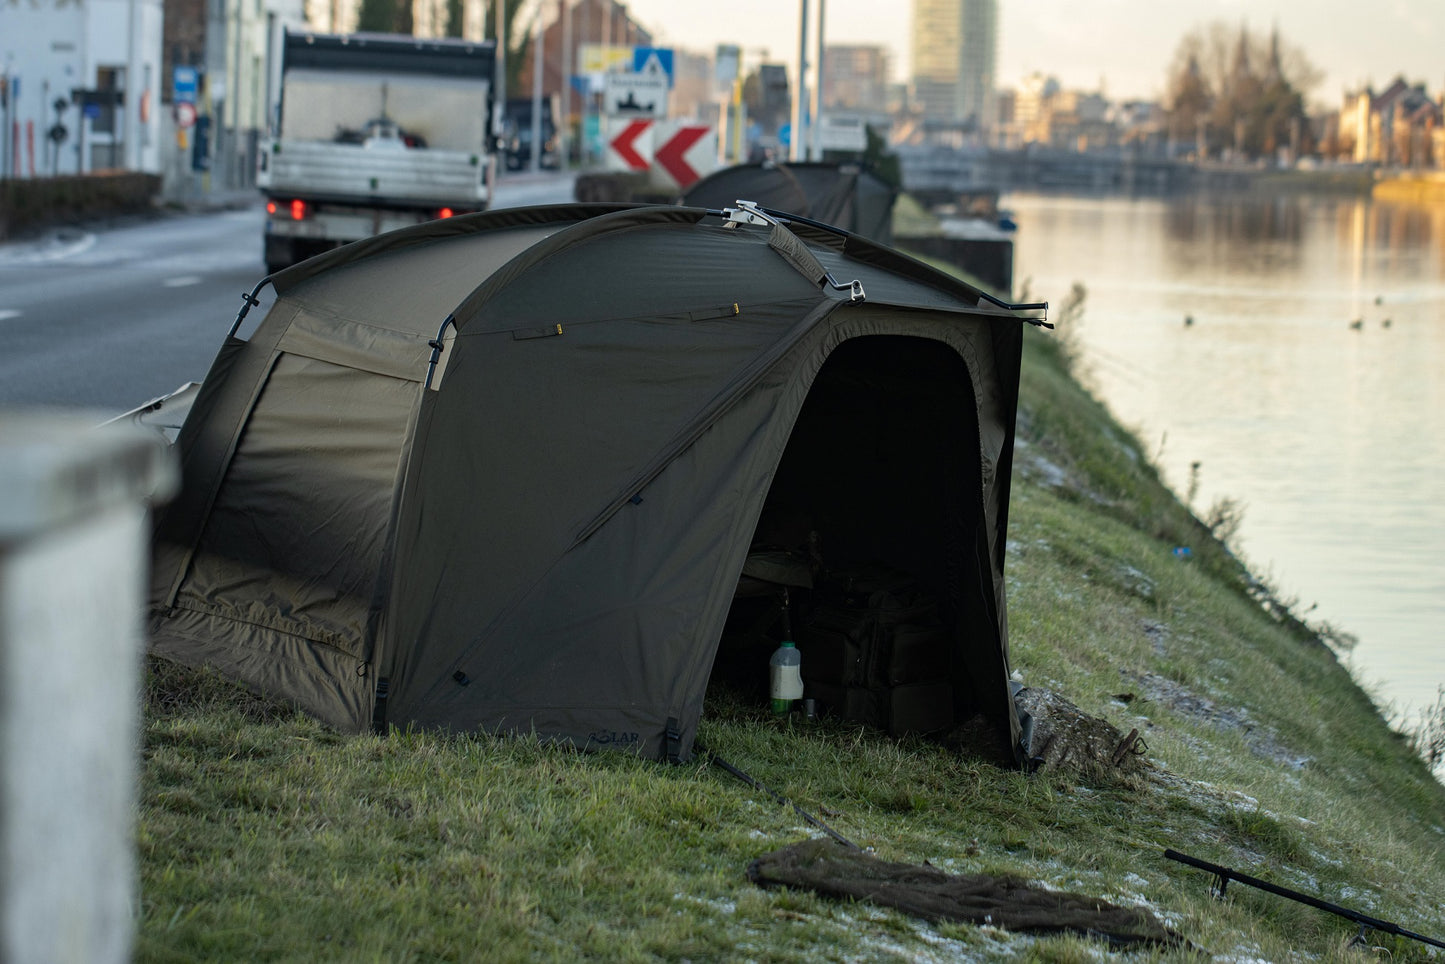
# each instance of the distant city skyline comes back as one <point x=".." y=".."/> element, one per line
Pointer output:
<point x="1125" y="45"/>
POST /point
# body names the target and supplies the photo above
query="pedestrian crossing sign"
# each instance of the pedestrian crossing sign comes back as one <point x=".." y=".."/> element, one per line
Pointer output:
<point x="653" y="61"/>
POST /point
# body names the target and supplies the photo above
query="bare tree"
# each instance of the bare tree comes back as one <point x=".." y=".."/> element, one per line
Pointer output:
<point x="1233" y="89"/>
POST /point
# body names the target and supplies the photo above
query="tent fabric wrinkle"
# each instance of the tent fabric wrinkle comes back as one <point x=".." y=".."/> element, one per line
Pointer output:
<point x="550" y="538"/>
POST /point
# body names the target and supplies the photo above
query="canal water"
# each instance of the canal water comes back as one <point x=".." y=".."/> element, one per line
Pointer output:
<point x="1294" y="348"/>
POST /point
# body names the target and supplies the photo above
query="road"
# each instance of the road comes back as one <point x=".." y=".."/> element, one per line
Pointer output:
<point x="107" y="319"/>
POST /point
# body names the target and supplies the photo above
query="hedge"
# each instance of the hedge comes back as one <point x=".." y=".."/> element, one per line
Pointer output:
<point x="34" y="203"/>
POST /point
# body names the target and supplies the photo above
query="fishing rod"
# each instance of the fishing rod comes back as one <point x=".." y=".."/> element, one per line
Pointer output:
<point x="1224" y="875"/>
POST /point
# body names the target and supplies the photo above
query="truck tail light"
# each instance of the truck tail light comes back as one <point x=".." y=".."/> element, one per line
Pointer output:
<point x="445" y="213"/>
<point x="298" y="209"/>
<point x="270" y="207"/>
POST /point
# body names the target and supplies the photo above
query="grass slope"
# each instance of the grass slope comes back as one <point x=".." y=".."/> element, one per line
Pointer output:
<point x="264" y="836"/>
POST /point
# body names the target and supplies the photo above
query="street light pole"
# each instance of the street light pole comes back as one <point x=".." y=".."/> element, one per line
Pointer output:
<point x="815" y="149"/>
<point x="796" y="145"/>
<point x="537" y="92"/>
<point x="564" y="124"/>
<point x="501" y="81"/>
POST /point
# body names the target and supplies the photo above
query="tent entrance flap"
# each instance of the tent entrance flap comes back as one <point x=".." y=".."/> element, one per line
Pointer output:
<point x="871" y="525"/>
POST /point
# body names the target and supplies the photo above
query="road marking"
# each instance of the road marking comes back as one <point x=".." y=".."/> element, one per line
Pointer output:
<point x="7" y="313"/>
<point x="184" y="281"/>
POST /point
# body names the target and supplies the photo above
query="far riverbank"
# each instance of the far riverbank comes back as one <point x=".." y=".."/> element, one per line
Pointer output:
<point x="1426" y="187"/>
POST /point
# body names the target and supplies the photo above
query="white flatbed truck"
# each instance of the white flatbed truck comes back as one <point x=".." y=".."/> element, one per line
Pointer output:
<point x="373" y="132"/>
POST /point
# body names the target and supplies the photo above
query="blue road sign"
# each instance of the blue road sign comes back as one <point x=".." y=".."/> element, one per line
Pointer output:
<point x="184" y="81"/>
<point x="647" y="60"/>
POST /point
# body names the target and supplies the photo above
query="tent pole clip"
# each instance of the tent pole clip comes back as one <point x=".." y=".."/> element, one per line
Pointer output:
<point x="248" y="301"/>
<point x="436" y="345"/>
<point x="854" y="287"/>
<point x="748" y="212"/>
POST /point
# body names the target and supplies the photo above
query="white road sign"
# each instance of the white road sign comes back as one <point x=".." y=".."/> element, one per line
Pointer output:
<point x="636" y="95"/>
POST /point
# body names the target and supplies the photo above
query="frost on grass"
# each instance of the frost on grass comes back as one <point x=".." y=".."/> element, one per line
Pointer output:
<point x="1035" y="466"/>
<point x="980" y="943"/>
<point x="1261" y="740"/>
<point x="714" y="903"/>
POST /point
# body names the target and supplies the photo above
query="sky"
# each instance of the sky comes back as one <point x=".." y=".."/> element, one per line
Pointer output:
<point x="1127" y="45"/>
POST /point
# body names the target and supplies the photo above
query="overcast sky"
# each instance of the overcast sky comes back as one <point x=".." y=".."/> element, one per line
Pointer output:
<point x="1126" y="44"/>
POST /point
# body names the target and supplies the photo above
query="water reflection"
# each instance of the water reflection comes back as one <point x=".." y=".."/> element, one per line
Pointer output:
<point x="1191" y="218"/>
<point x="1310" y="385"/>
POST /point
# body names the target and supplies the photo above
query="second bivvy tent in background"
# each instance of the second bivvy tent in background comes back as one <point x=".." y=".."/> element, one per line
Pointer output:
<point x="843" y="195"/>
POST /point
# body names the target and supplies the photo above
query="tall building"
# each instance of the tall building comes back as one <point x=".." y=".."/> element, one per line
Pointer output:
<point x="855" y="77"/>
<point x="955" y="50"/>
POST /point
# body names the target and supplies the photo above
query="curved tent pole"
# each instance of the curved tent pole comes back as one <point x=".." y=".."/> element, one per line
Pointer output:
<point x="436" y="349"/>
<point x="249" y="301"/>
<point x="823" y="226"/>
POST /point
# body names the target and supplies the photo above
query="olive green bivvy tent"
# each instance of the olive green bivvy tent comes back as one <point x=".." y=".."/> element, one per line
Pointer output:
<point x="503" y="472"/>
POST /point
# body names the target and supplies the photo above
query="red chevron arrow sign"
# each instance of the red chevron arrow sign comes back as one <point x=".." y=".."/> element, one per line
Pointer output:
<point x="625" y="146"/>
<point x="672" y="155"/>
<point x="675" y="155"/>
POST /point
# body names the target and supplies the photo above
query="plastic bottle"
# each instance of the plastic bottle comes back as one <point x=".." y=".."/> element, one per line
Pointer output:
<point x="785" y="677"/>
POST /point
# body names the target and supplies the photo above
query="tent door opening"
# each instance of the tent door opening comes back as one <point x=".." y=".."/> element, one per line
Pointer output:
<point x="870" y="530"/>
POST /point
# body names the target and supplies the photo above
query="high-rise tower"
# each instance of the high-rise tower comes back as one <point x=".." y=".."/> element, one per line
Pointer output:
<point x="955" y="49"/>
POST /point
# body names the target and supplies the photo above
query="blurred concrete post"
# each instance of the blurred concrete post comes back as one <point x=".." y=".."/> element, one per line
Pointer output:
<point x="74" y="532"/>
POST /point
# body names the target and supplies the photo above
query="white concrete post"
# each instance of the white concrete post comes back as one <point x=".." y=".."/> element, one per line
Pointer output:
<point x="74" y="537"/>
